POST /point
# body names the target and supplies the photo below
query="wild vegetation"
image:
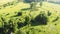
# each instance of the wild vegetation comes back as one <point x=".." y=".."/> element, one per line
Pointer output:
<point x="21" y="18"/>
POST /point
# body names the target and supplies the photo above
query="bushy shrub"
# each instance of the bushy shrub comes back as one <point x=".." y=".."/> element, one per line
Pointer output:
<point x="40" y="19"/>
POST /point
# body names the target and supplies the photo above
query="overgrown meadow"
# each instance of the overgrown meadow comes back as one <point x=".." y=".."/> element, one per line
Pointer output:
<point x="19" y="18"/>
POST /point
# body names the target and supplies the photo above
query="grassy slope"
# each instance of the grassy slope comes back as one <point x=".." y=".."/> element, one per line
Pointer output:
<point x="50" y="28"/>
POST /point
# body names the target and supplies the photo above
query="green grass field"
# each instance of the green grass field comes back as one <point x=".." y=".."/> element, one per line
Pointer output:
<point x="30" y="22"/>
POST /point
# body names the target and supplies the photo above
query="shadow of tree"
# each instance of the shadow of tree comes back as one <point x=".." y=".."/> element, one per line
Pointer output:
<point x="25" y="9"/>
<point x="55" y="19"/>
<point x="18" y="14"/>
<point x="21" y="25"/>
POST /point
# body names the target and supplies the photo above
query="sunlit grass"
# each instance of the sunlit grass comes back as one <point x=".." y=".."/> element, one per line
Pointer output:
<point x="50" y="28"/>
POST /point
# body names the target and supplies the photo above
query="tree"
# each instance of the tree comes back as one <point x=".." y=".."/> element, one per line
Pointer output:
<point x="41" y="2"/>
<point x="30" y="2"/>
<point x="33" y="3"/>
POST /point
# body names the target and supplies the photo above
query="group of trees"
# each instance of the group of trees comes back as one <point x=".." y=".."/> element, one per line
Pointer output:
<point x="15" y="22"/>
<point x="33" y="3"/>
<point x="8" y="25"/>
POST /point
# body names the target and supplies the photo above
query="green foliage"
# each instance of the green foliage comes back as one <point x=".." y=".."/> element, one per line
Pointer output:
<point x="40" y="19"/>
<point x="26" y="21"/>
<point x="33" y="3"/>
